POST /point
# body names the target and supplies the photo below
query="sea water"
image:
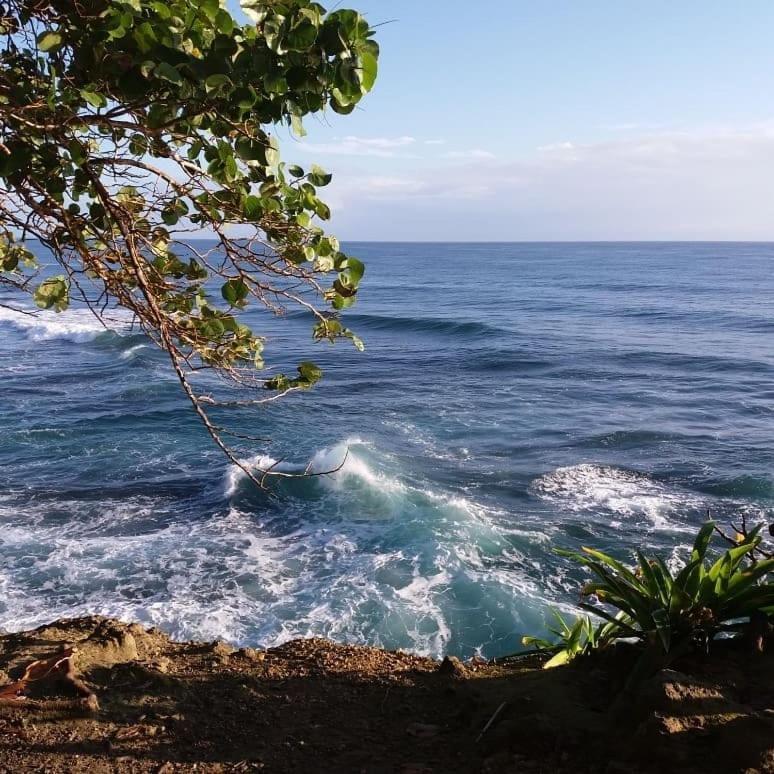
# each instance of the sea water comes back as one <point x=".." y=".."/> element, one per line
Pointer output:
<point x="512" y="398"/>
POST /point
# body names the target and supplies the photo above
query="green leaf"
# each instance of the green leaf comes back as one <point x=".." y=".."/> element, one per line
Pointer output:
<point x="351" y="271"/>
<point x="343" y="302"/>
<point x="138" y="144"/>
<point x="537" y="642"/>
<point x="252" y="208"/>
<point x="218" y="83"/>
<point x="50" y="41"/>
<point x="560" y="659"/>
<point x="235" y="291"/>
<point x="297" y="125"/>
<point x="324" y="263"/>
<point x="250" y="149"/>
<point x="77" y="152"/>
<point x="369" y="68"/>
<point x="702" y="541"/>
<point x="310" y="372"/>
<point x="256" y="10"/>
<point x="272" y="152"/>
<point x="172" y="213"/>
<point x="322" y="210"/>
<point x="169" y="73"/>
<point x="318" y="176"/>
<point x="94" y="98"/>
<point x="224" y="22"/>
<point x="663" y="627"/>
<point x="53" y="293"/>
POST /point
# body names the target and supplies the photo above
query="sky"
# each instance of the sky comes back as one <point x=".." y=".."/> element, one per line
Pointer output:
<point x="557" y="120"/>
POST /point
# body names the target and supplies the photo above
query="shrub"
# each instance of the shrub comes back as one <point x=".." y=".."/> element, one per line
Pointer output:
<point x="670" y="612"/>
<point x="576" y="639"/>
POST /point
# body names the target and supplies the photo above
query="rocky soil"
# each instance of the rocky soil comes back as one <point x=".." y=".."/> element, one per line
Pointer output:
<point x="126" y="699"/>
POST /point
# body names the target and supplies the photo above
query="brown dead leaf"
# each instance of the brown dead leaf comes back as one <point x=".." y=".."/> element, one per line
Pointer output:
<point x="58" y="667"/>
<point x="40" y="670"/>
<point x="13" y="692"/>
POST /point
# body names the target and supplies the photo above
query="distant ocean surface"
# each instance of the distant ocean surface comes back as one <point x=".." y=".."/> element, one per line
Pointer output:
<point x="512" y="398"/>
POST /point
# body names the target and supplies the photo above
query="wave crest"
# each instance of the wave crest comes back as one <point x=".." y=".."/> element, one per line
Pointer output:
<point x="331" y="467"/>
<point x="71" y="325"/>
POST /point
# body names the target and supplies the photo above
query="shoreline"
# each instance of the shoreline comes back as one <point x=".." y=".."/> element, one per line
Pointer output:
<point x="148" y="704"/>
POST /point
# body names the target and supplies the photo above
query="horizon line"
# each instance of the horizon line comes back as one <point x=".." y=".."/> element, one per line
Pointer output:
<point x="528" y="241"/>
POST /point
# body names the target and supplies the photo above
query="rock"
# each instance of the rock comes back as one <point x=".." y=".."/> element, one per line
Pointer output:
<point x="161" y="664"/>
<point x="220" y="648"/>
<point x="109" y="644"/>
<point x="251" y="654"/>
<point x="452" y="667"/>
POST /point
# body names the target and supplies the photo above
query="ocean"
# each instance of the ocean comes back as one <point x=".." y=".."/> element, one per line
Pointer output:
<point x="512" y="398"/>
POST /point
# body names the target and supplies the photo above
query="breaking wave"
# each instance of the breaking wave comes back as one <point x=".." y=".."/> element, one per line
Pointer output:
<point x="359" y="554"/>
<point x="76" y="325"/>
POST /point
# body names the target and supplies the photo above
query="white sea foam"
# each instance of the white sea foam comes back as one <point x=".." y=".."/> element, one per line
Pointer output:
<point x="315" y="567"/>
<point x="438" y="570"/>
<point x="71" y="325"/>
<point x="128" y="354"/>
<point x="624" y="493"/>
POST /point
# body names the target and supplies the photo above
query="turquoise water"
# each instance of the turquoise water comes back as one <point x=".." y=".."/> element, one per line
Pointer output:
<point x="512" y="398"/>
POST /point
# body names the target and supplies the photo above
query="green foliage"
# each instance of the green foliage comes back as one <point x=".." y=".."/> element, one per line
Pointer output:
<point x="53" y="293"/>
<point x="671" y="612"/>
<point x="130" y="127"/>
<point x="13" y="256"/>
<point x="677" y="609"/>
<point x="308" y="375"/>
<point x="573" y="640"/>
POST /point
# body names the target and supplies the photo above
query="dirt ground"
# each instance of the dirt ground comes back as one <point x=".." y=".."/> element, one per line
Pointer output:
<point x="130" y="700"/>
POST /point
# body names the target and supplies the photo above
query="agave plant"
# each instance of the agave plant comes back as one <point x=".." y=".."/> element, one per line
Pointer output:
<point x="576" y="639"/>
<point x="679" y="610"/>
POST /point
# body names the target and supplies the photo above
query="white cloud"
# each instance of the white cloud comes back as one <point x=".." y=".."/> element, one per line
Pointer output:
<point x="710" y="183"/>
<point x="438" y="141"/>
<point x="474" y="153"/>
<point x="382" y="147"/>
<point x="556" y="146"/>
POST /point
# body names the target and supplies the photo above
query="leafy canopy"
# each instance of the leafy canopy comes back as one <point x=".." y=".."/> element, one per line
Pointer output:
<point x="129" y="127"/>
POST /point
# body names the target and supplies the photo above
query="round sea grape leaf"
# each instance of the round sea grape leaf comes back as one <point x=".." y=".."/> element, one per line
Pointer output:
<point x="50" y="41"/>
<point x="235" y="291"/>
<point x="319" y="177"/>
<point x="369" y="70"/>
<point x="310" y="372"/>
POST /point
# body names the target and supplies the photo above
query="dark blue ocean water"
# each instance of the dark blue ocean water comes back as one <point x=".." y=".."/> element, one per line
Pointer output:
<point x="512" y="398"/>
